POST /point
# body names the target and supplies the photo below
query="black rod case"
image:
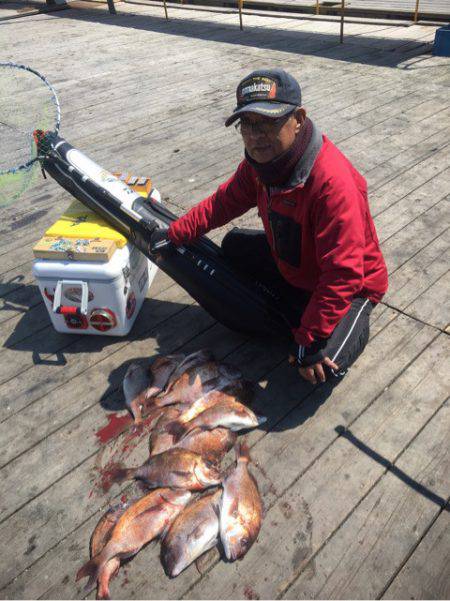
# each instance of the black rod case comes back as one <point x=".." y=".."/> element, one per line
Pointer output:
<point x="200" y="268"/>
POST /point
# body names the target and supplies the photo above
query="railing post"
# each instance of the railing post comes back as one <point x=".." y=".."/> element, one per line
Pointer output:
<point x="416" y="12"/>
<point x="165" y="10"/>
<point x="341" y="39"/>
<point x="317" y="7"/>
<point x="240" y="6"/>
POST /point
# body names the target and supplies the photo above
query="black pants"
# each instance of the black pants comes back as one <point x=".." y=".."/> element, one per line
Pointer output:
<point x="249" y="252"/>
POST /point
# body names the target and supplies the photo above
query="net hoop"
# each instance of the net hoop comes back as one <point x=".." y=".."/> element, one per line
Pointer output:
<point x="55" y="101"/>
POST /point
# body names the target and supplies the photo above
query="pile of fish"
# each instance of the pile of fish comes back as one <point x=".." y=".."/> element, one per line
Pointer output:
<point x="197" y="406"/>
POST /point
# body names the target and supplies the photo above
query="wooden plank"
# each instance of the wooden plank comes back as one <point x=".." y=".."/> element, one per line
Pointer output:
<point x="371" y="546"/>
<point x="417" y="177"/>
<point x="97" y="42"/>
<point x="78" y="481"/>
<point x="49" y="415"/>
<point x="419" y="273"/>
<point x="426" y="573"/>
<point x="64" y="426"/>
<point x="404" y="161"/>
<point x="354" y="395"/>
<point x="19" y="327"/>
<point x="433" y="305"/>
<point x="42" y="419"/>
<point x="412" y="206"/>
<point x="81" y="352"/>
<point x="315" y="505"/>
<point x="54" y="426"/>
<point x="138" y="583"/>
<point x="353" y="9"/>
<point x="47" y="341"/>
<point x="424" y="193"/>
<point x="411" y="239"/>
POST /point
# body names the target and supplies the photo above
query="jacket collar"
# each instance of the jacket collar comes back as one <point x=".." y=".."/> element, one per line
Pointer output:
<point x="304" y="166"/>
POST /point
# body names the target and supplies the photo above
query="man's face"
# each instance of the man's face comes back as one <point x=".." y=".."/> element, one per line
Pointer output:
<point x="265" y="138"/>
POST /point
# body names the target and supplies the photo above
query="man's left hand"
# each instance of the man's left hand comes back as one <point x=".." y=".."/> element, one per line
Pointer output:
<point x="315" y="373"/>
<point x="159" y="240"/>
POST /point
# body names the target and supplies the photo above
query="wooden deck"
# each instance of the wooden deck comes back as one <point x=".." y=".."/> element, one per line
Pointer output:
<point x="355" y="479"/>
<point x="429" y="10"/>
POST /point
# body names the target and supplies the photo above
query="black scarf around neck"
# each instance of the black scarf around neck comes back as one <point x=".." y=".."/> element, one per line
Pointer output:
<point x="278" y="171"/>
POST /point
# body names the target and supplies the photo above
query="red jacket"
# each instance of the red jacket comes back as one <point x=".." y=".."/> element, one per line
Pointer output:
<point x="319" y="228"/>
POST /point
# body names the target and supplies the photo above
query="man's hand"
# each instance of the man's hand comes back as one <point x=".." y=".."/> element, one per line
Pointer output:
<point x="314" y="373"/>
<point x="311" y="361"/>
<point x="159" y="240"/>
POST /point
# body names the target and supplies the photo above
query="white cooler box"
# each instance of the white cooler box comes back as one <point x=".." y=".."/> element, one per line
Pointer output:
<point x="92" y="280"/>
<point x="94" y="297"/>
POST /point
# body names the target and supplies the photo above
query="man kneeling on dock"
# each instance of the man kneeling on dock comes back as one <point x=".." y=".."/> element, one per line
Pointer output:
<point x="319" y="250"/>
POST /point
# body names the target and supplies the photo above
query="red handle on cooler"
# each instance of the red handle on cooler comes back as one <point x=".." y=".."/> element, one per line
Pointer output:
<point x="65" y="310"/>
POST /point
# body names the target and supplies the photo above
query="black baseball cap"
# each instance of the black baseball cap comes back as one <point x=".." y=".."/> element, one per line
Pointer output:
<point x="270" y="92"/>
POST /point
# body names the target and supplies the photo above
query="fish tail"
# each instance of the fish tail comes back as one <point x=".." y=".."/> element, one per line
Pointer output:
<point x="97" y="567"/>
<point x="119" y="474"/>
<point x="242" y="451"/>
<point x="111" y="570"/>
<point x="177" y="430"/>
<point x="103" y="590"/>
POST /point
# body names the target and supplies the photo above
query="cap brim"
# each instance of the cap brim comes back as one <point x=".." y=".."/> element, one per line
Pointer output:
<point x="272" y="110"/>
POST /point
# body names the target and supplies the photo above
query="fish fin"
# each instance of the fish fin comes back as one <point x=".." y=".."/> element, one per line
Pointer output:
<point x="242" y="451"/>
<point x="152" y="391"/>
<point x="136" y="409"/>
<point x="216" y="504"/>
<point x="90" y="569"/>
<point x="165" y="532"/>
<point x="229" y="371"/>
<point x="197" y="386"/>
<point x="177" y="430"/>
<point x="182" y="473"/>
<point x="168" y="397"/>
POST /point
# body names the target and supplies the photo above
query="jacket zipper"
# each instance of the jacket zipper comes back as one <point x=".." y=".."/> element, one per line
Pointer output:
<point x="269" y="207"/>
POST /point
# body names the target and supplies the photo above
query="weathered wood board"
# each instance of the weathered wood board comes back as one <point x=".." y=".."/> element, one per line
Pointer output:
<point x="353" y="477"/>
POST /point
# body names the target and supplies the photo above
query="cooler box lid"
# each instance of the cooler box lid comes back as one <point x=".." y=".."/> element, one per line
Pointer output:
<point x="125" y="257"/>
